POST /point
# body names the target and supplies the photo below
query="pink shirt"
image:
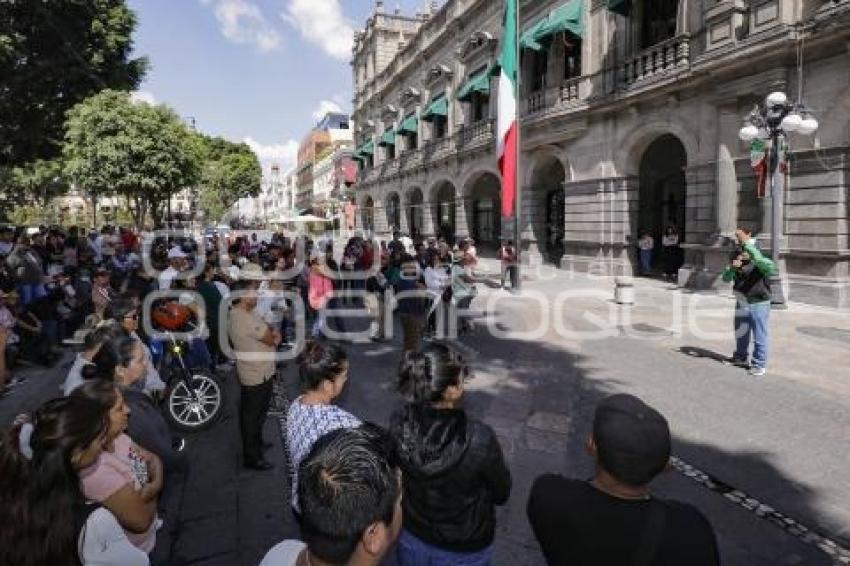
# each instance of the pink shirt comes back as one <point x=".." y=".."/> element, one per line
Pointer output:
<point x="111" y="472"/>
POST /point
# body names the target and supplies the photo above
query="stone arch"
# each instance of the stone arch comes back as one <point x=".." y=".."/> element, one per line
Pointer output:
<point x="543" y="206"/>
<point x="636" y="141"/>
<point x="482" y="204"/>
<point x="662" y="193"/>
<point x="414" y="207"/>
<point x="541" y="156"/>
<point x="367" y="214"/>
<point x="392" y="208"/>
<point x="443" y="200"/>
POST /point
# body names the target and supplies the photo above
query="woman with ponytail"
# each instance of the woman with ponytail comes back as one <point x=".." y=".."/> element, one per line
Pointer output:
<point x="453" y="470"/>
<point x="125" y="478"/>
<point x="45" y="516"/>
<point x="322" y="374"/>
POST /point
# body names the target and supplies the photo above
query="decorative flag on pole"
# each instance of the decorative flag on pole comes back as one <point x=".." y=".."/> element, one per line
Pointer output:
<point x="508" y="125"/>
<point x="758" y="161"/>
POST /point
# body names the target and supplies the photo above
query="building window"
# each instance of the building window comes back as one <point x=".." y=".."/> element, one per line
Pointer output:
<point x="411" y="142"/>
<point x="539" y="67"/>
<point x="390" y="152"/>
<point x="440" y="127"/>
<point x="480" y="107"/>
<point x="658" y="22"/>
<point x="572" y="56"/>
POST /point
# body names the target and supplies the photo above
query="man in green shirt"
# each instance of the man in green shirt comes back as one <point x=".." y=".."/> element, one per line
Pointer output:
<point x="750" y="271"/>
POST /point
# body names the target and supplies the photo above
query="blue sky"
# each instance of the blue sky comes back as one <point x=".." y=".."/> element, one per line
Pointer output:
<point x="252" y="70"/>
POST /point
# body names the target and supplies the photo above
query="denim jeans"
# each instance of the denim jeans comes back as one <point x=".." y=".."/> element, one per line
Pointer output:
<point x="645" y="261"/>
<point x="318" y="324"/>
<point x="751" y="320"/>
<point x="410" y="551"/>
<point x="31" y="292"/>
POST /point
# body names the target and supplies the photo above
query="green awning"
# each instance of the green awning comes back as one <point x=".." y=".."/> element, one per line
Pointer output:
<point x="438" y="107"/>
<point x="410" y="126"/>
<point x="388" y="138"/>
<point x="480" y="82"/>
<point x="622" y="7"/>
<point x="567" y="17"/>
<point x="367" y="148"/>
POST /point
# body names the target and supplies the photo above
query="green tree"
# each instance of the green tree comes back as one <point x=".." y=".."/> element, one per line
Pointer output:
<point x="39" y="181"/>
<point x="53" y="55"/>
<point x="230" y="171"/>
<point x="141" y="152"/>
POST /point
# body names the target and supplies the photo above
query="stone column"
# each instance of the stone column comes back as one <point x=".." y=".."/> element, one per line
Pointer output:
<point x="533" y="223"/>
<point x="403" y="217"/>
<point x="726" y="195"/>
<point x="427" y="219"/>
<point x="461" y="224"/>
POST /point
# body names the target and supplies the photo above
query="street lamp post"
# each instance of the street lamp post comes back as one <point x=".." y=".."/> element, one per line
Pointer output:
<point x="772" y="122"/>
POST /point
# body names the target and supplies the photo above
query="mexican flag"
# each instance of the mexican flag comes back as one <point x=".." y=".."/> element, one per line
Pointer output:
<point x="507" y="124"/>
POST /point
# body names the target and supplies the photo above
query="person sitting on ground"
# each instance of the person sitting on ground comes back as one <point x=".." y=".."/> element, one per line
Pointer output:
<point x="453" y="470"/>
<point x="101" y="292"/>
<point x="613" y="519"/>
<point x="30" y="330"/>
<point x="125" y="314"/>
<point x="125" y="478"/>
<point x="122" y="360"/>
<point x="8" y="338"/>
<point x="322" y="374"/>
<point x="46" y="517"/>
<point x="94" y="339"/>
<point x="351" y="500"/>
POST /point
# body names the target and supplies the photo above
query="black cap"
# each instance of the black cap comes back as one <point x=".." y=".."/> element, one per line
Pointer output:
<point x="632" y="439"/>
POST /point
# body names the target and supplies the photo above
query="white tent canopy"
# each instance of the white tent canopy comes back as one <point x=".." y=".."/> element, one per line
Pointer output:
<point x="302" y="219"/>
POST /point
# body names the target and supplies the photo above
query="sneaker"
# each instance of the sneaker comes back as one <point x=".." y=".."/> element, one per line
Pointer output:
<point x="734" y="361"/>
<point x="757" y="371"/>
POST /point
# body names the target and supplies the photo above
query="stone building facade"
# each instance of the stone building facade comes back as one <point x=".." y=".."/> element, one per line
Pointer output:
<point x="628" y="123"/>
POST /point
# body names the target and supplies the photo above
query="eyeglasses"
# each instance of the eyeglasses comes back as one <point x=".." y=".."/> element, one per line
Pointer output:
<point x="131" y="317"/>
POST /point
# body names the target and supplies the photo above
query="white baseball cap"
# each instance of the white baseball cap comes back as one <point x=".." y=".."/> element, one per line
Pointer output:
<point x="176" y="253"/>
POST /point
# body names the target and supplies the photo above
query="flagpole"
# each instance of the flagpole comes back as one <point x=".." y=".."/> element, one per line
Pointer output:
<point x="518" y="199"/>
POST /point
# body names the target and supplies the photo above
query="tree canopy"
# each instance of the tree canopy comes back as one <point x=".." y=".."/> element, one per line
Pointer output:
<point x="230" y="171"/>
<point x="142" y="152"/>
<point x="53" y="55"/>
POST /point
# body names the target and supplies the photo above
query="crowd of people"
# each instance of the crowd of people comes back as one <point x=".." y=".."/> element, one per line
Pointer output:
<point x="84" y="475"/>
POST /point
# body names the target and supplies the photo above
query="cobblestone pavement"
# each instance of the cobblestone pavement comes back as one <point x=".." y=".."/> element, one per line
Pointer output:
<point x="764" y="459"/>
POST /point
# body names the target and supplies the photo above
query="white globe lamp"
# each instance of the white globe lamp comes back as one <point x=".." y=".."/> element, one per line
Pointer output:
<point x="792" y="122"/>
<point x="748" y="133"/>
<point x="808" y="126"/>
<point x="776" y="99"/>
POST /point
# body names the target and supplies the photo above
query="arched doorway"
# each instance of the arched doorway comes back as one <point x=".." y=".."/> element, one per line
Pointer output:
<point x="415" y="214"/>
<point x="662" y="188"/>
<point x="547" y="201"/>
<point x="367" y="214"/>
<point x="444" y="211"/>
<point x="483" y="209"/>
<point x="393" y="212"/>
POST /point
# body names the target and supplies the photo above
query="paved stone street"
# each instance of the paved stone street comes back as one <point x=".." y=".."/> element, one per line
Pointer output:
<point x="752" y="454"/>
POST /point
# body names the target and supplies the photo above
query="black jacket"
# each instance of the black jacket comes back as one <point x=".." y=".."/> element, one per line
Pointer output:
<point x="453" y="476"/>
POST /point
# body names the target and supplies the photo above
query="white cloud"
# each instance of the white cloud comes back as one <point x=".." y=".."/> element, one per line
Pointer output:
<point x="242" y="22"/>
<point x="322" y="23"/>
<point x="325" y="106"/>
<point x="284" y="154"/>
<point x="143" y="96"/>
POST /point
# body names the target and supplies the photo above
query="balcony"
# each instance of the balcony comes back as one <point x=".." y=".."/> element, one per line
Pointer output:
<point x="663" y="60"/>
<point x="439" y="148"/>
<point x="535" y="102"/>
<point x="477" y="134"/>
